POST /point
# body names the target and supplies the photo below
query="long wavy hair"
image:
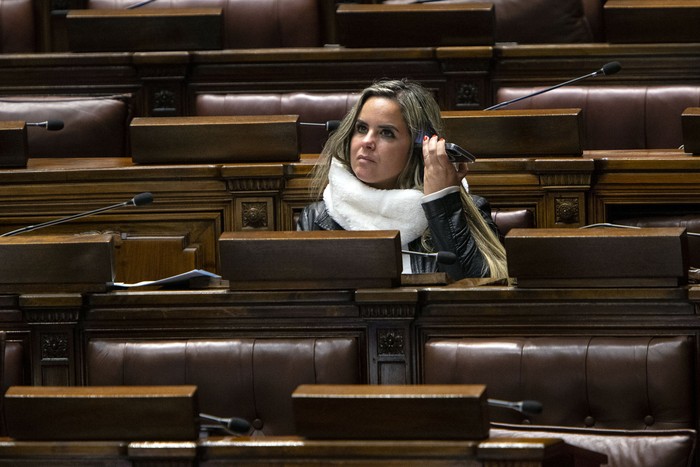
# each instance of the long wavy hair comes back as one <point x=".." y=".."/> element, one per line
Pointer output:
<point x="421" y="113"/>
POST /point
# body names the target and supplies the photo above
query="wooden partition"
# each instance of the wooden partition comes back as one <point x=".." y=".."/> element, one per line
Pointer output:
<point x="195" y="203"/>
<point x="294" y="450"/>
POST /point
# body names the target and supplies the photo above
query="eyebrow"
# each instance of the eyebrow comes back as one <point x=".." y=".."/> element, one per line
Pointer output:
<point x="387" y="126"/>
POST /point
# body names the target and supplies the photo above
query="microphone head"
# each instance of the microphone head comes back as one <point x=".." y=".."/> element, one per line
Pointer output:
<point x="332" y="125"/>
<point x="237" y="425"/>
<point x="611" y="68"/>
<point x="54" y="125"/>
<point x="530" y="406"/>
<point x="446" y="257"/>
<point x="142" y="199"/>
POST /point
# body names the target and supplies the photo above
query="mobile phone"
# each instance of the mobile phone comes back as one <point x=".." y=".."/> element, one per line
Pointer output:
<point x="458" y="154"/>
<point x="455" y="153"/>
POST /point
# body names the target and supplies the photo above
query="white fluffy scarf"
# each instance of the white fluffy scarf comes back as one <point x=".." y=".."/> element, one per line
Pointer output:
<point x="356" y="206"/>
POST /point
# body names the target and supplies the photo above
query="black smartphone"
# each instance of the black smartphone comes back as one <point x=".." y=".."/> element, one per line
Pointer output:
<point x="455" y="153"/>
<point x="458" y="154"/>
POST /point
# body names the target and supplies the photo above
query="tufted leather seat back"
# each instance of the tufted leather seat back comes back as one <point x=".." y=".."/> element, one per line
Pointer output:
<point x="618" y="117"/>
<point x="248" y="378"/>
<point x="93" y="126"/>
<point x="252" y="23"/>
<point x="507" y="219"/>
<point x="17" y="27"/>
<point x="631" y="383"/>
<point x="631" y="398"/>
<point x="311" y="108"/>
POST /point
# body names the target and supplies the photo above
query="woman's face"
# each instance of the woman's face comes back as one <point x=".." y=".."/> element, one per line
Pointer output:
<point x="381" y="143"/>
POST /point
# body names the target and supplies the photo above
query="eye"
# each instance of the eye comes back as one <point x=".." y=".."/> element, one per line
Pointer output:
<point x="386" y="133"/>
<point x="360" y="128"/>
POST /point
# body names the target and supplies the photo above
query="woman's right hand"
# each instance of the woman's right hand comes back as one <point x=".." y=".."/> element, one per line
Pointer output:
<point x="439" y="172"/>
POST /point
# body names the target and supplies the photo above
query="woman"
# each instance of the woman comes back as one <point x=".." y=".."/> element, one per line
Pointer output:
<point x="385" y="168"/>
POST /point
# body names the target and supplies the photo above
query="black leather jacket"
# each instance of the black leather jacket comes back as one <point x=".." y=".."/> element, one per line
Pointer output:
<point x="449" y="228"/>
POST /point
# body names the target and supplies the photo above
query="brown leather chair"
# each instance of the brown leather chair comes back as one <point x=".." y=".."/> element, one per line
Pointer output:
<point x="618" y="117"/>
<point x="93" y="126"/>
<point x="252" y="23"/>
<point x="507" y="219"/>
<point x="250" y="378"/>
<point x="17" y="26"/>
<point x="631" y="398"/>
<point x="13" y="368"/>
<point x="312" y="107"/>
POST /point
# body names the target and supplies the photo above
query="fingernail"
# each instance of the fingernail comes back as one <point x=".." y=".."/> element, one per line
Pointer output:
<point x="425" y="138"/>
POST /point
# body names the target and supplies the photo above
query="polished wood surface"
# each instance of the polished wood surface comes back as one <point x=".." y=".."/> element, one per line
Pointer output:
<point x="387" y="25"/>
<point x="101" y="413"/>
<point x="645" y="21"/>
<point x="324" y="411"/>
<point x="144" y="29"/>
<point x="200" y="139"/>
<point x="13" y="144"/>
<point x="690" y="120"/>
<point x="599" y="256"/>
<point x="64" y="263"/>
<point x="315" y="259"/>
<point x="503" y="133"/>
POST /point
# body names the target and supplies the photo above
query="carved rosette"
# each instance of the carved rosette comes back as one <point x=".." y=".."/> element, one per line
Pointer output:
<point x="566" y="211"/>
<point x="164" y="101"/>
<point x="467" y="95"/>
<point x="54" y="346"/>
<point x="254" y="215"/>
<point x="390" y="342"/>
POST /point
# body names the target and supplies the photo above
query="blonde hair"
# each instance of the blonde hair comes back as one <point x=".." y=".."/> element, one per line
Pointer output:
<point x="422" y="116"/>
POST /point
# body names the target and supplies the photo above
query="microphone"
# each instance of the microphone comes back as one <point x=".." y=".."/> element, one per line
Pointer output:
<point x="526" y="406"/>
<point x="50" y="125"/>
<point x="442" y="257"/>
<point x="330" y="125"/>
<point x="607" y="70"/>
<point x="233" y="424"/>
<point x="139" y="4"/>
<point x="623" y="226"/>
<point x="139" y="200"/>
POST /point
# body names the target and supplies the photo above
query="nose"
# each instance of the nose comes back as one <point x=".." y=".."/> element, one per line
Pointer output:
<point x="368" y="140"/>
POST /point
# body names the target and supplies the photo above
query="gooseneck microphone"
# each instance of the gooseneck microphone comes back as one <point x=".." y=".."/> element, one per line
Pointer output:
<point x="526" y="406"/>
<point x="139" y="4"/>
<point x="139" y="200"/>
<point x="330" y="125"/>
<point x="607" y="70"/>
<point x="442" y="257"/>
<point x="233" y="424"/>
<point x="50" y="125"/>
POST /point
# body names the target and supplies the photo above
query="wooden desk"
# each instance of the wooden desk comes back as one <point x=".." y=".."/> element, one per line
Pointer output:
<point x="298" y="451"/>
<point x="195" y="203"/>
